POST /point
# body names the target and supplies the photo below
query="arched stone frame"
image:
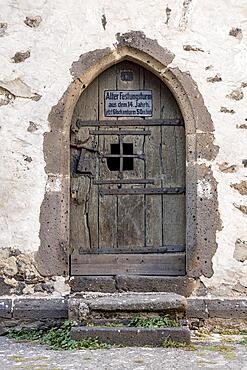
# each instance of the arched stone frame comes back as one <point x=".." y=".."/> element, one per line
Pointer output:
<point x="202" y="218"/>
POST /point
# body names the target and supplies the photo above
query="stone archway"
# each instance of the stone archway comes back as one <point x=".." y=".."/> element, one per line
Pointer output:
<point x="201" y="200"/>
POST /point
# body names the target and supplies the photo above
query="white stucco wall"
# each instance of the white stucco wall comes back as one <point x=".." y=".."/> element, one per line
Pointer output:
<point x="71" y="28"/>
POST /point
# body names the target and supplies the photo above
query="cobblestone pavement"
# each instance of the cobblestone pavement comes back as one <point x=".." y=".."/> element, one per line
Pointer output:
<point x="23" y="355"/>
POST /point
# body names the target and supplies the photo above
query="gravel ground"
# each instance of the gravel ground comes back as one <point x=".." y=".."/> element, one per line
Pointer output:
<point x="26" y="355"/>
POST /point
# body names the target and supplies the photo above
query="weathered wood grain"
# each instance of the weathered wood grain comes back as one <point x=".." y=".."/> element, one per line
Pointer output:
<point x="107" y="205"/>
<point x="153" y="168"/>
<point x="170" y="264"/>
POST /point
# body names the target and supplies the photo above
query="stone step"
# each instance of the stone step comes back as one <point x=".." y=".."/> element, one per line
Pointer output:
<point x="120" y="306"/>
<point x="132" y="336"/>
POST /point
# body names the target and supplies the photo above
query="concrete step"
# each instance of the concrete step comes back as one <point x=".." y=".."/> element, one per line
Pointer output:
<point x="132" y="336"/>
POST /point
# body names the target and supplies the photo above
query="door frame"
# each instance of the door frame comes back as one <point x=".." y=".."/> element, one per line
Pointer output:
<point x="202" y="216"/>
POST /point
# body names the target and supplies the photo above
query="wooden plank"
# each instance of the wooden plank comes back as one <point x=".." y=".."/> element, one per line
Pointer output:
<point x="146" y="191"/>
<point x="137" y="122"/>
<point x="170" y="264"/>
<point x="122" y="132"/>
<point x="131" y="209"/>
<point x="153" y="168"/>
<point x="86" y="109"/>
<point x="79" y="231"/>
<point x="144" y="250"/>
<point x="174" y="222"/>
<point x="107" y="205"/>
<point x="180" y="155"/>
<point x="169" y="157"/>
<point x="169" y="107"/>
<point x="124" y="181"/>
<point x="173" y="161"/>
<point x="84" y="217"/>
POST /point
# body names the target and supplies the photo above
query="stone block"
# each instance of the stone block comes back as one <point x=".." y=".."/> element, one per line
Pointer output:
<point x="127" y="336"/>
<point x="92" y="284"/>
<point x="136" y="283"/>
<point x="5" y="308"/>
<point x="40" y="308"/>
<point x="197" y="308"/>
<point x="4" y="288"/>
<point x="227" y="308"/>
<point x="78" y="310"/>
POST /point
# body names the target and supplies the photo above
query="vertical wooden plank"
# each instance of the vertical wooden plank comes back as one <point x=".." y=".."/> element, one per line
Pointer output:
<point x="131" y="224"/>
<point x="174" y="219"/>
<point x="173" y="163"/>
<point x="107" y="204"/>
<point x="180" y="155"/>
<point x="153" y="167"/>
<point x="169" y="158"/>
<point x="169" y="106"/>
<point x="84" y="217"/>
<point x="79" y="231"/>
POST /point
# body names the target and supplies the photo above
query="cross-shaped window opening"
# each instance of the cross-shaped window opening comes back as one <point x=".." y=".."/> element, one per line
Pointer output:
<point x="121" y="157"/>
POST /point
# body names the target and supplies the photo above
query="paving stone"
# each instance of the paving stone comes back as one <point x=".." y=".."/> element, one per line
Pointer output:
<point x="127" y="336"/>
<point x="23" y="355"/>
<point x="40" y="308"/>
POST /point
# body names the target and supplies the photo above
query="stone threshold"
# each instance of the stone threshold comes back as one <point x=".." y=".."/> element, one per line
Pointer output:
<point x="36" y="308"/>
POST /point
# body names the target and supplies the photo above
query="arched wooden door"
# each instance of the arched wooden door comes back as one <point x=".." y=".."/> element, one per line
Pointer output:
<point x="127" y="212"/>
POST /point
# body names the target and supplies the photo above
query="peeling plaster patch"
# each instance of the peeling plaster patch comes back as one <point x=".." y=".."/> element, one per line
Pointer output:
<point x="204" y="189"/>
<point x="32" y="127"/>
<point x="236" y="32"/>
<point x="103" y="21"/>
<point x="240" y="252"/>
<point x="192" y="48"/>
<point x="226" y="110"/>
<point x="3" y="28"/>
<point x="227" y="168"/>
<point x="27" y="158"/>
<point x="20" y="56"/>
<point x="33" y="21"/>
<point x="185" y="13"/>
<point x="214" y="79"/>
<point x="241" y="207"/>
<point x="242" y="126"/>
<point x="54" y="183"/>
<point x="240" y="187"/>
<point x="244" y="161"/>
<point x="236" y="94"/>
<point x="168" y="14"/>
<point x="5" y="97"/>
<point x="19" y="89"/>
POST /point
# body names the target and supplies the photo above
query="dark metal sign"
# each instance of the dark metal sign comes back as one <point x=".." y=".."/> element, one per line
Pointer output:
<point x="128" y="103"/>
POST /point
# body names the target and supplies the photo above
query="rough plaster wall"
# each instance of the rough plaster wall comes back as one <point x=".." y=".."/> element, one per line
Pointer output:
<point x="196" y="32"/>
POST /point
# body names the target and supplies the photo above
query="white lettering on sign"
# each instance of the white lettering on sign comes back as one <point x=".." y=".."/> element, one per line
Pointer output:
<point x="131" y="103"/>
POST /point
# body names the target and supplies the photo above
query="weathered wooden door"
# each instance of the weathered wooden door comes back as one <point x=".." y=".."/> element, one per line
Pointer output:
<point x="127" y="180"/>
